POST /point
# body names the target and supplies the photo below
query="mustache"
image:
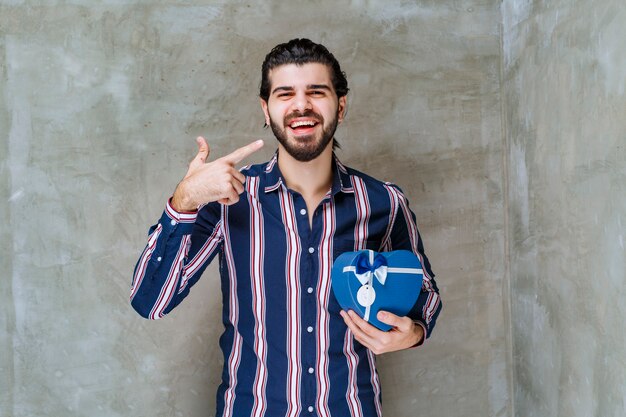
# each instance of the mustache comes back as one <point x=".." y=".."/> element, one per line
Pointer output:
<point x="308" y="113"/>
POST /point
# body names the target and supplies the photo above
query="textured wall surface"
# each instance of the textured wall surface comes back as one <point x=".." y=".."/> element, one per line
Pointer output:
<point x="564" y="82"/>
<point x="99" y="105"/>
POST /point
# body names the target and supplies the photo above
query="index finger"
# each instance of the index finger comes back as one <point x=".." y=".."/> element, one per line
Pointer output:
<point x="243" y="152"/>
<point x="363" y="337"/>
<point x="364" y="326"/>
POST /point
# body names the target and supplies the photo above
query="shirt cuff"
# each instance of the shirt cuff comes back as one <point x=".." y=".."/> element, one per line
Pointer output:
<point x="180" y="216"/>
<point x="177" y="223"/>
<point x="423" y="339"/>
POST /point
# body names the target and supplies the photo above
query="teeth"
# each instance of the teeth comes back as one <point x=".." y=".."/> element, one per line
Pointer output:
<point x="303" y="123"/>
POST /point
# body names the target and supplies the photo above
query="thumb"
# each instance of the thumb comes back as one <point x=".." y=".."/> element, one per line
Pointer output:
<point x="202" y="155"/>
<point x="389" y="318"/>
<point x="203" y="149"/>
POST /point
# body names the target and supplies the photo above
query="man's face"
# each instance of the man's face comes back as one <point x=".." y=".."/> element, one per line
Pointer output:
<point x="303" y="109"/>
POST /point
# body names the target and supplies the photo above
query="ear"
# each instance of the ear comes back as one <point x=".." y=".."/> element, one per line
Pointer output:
<point x="341" y="110"/>
<point x="265" y="111"/>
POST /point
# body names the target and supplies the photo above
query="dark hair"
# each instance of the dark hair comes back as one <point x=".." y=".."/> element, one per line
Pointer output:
<point x="299" y="52"/>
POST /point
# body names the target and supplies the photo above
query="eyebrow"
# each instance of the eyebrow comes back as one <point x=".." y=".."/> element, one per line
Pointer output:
<point x="308" y="87"/>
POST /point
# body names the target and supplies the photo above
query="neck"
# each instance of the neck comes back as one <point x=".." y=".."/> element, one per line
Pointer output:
<point x="311" y="178"/>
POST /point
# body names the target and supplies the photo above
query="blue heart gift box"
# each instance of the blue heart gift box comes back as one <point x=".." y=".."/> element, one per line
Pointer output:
<point x="368" y="281"/>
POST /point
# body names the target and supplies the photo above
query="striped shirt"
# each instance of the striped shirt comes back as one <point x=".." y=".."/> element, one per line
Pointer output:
<point x="287" y="351"/>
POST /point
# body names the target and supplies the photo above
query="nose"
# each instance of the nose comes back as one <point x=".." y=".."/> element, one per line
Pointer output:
<point x="301" y="102"/>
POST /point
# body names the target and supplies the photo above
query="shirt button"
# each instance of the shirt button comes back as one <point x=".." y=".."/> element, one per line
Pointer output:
<point x="309" y="329"/>
<point x="159" y="259"/>
<point x="173" y="222"/>
<point x="311" y="370"/>
<point x="311" y="250"/>
<point x="303" y="212"/>
<point x="309" y="290"/>
<point x="310" y="409"/>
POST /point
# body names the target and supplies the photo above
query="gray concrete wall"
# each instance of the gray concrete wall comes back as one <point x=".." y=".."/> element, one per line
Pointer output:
<point x="99" y="105"/>
<point x="564" y="82"/>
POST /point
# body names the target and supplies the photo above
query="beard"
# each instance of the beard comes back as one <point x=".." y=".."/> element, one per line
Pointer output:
<point x="305" y="148"/>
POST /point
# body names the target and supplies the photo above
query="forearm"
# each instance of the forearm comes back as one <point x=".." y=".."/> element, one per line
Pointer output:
<point x="175" y="256"/>
<point x="405" y="235"/>
<point x="185" y="240"/>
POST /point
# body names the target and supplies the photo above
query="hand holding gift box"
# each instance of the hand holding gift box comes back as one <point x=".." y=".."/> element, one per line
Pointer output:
<point x="367" y="282"/>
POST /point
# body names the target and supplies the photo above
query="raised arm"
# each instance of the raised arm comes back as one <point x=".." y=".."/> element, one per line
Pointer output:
<point x="184" y="241"/>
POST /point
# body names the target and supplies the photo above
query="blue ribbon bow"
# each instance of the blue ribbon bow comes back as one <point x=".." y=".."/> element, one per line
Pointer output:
<point x="369" y="266"/>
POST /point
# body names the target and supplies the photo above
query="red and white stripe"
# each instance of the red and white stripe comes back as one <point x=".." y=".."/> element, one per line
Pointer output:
<point x="234" y="358"/>
<point x="169" y="287"/>
<point x="431" y="305"/>
<point x="375" y="383"/>
<point x="352" y="394"/>
<point x="360" y="243"/>
<point x="433" y="297"/>
<point x="362" y="213"/>
<point x="258" y="296"/>
<point x="341" y="166"/>
<point x="325" y="254"/>
<point x="393" y="211"/>
<point x="180" y="216"/>
<point x="271" y="163"/>
<point x="201" y="257"/>
<point x="292" y="276"/>
<point x="143" y="260"/>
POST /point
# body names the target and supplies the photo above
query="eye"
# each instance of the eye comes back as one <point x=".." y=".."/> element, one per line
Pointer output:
<point x="317" y="93"/>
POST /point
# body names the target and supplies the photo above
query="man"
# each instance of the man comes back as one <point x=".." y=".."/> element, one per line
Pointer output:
<point x="288" y="348"/>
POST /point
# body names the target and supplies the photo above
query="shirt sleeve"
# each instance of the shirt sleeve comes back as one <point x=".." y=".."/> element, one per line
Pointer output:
<point x="180" y="247"/>
<point x="404" y="235"/>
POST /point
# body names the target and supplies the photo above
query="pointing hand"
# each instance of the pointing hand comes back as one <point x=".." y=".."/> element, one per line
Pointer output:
<point x="219" y="180"/>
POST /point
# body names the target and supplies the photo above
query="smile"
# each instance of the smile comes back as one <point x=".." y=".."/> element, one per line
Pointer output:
<point x="302" y="124"/>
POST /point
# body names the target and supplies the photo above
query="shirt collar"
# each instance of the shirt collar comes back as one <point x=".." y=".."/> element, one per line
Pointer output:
<point x="341" y="178"/>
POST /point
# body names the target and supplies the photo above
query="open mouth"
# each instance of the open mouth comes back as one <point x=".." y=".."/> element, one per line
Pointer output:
<point x="302" y="126"/>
